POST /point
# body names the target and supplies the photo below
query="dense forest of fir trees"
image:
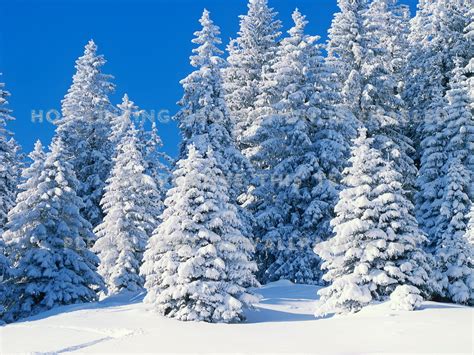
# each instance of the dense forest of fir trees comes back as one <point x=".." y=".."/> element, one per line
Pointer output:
<point x="348" y="165"/>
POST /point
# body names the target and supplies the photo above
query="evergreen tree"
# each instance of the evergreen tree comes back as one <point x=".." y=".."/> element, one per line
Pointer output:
<point x="291" y="205"/>
<point x="131" y="213"/>
<point x="121" y="123"/>
<point x="204" y="119"/>
<point x="367" y="41"/>
<point x="148" y="143"/>
<point x="452" y="250"/>
<point x="251" y="55"/>
<point x="9" y="160"/>
<point x="436" y="40"/>
<point x="30" y="179"/>
<point x="346" y="48"/>
<point x="85" y="128"/>
<point x="377" y="241"/>
<point x="453" y="253"/>
<point x="196" y="264"/>
<point x="47" y="236"/>
<point x="381" y="108"/>
<point x="157" y="162"/>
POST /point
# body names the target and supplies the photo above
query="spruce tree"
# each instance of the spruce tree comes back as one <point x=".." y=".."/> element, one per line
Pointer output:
<point x="204" y="119"/>
<point x="345" y="48"/>
<point x="436" y="40"/>
<point x="30" y="179"/>
<point x="157" y="162"/>
<point x="149" y="144"/>
<point x="453" y="253"/>
<point x="377" y="242"/>
<point x="251" y="55"/>
<point x="382" y="110"/>
<point x="85" y="128"/>
<point x="120" y="124"/>
<point x="47" y="238"/>
<point x="131" y="212"/>
<point x="196" y="264"/>
<point x="293" y="203"/>
<point x="9" y="160"/>
<point x="456" y="195"/>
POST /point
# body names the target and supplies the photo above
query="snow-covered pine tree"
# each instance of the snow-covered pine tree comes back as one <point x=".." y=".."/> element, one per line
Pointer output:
<point x="204" y="119"/>
<point x="9" y="160"/>
<point x="132" y="206"/>
<point x="377" y="242"/>
<point x="438" y="45"/>
<point x="85" y="128"/>
<point x="30" y="179"/>
<point x="436" y="40"/>
<point x="196" y="264"/>
<point x="452" y="251"/>
<point x="251" y="55"/>
<point x="149" y="143"/>
<point x="345" y="48"/>
<point x="157" y="162"/>
<point x="381" y="107"/>
<point x="366" y="45"/>
<point x="120" y="124"/>
<point x="292" y="205"/>
<point x="47" y="239"/>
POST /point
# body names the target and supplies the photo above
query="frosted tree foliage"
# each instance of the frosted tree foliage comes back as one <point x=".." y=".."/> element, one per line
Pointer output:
<point x="291" y="204"/>
<point x="131" y="206"/>
<point x="377" y="241"/>
<point x="470" y="227"/>
<point x="157" y="162"/>
<point x="204" y="119"/>
<point x="453" y="252"/>
<point x="251" y="55"/>
<point x="85" y="128"/>
<point x="405" y="298"/>
<point x="48" y="238"/>
<point x="9" y="161"/>
<point x="436" y="40"/>
<point x="197" y="264"/>
<point x="439" y="30"/>
<point x="30" y="179"/>
<point x="382" y="109"/>
<point x="149" y="144"/>
<point x="121" y="124"/>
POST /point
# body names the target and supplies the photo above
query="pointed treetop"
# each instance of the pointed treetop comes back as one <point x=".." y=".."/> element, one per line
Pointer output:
<point x="208" y="39"/>
<point x="38" y="151"/>
<point x="300" y="23"/>
<point x="90" y="47"/>
<point x="127" y="104"/>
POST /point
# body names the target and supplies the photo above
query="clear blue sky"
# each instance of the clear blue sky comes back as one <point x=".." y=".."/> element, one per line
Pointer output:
<point x="146" y="43"/>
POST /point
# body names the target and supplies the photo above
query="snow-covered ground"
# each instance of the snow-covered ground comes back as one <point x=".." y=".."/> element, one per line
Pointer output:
<point x="282" y="322"/>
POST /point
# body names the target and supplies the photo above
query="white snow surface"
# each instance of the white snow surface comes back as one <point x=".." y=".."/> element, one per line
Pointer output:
<point x="283" y="321"/>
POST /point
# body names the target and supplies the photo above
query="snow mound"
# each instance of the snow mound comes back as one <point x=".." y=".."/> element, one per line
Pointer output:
<point x="405" y="298"/>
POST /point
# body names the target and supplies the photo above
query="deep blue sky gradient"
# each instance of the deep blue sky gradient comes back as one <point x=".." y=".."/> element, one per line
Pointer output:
<point x="146" y="43"/>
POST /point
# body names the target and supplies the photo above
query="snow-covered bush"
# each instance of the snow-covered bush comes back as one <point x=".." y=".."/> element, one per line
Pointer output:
<point x="405" y="298"/>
